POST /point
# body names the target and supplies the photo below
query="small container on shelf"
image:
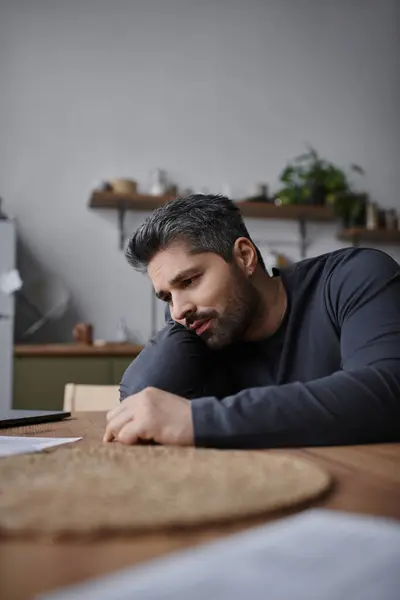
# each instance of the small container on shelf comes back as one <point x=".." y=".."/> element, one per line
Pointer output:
<point x="83" y="334"/>
<point x="372" y="216"/>
<point x="159" y="182"/>
<point x="123" y="186"/>
<point x="259" y="192"/>
<point x="391" y="220"/>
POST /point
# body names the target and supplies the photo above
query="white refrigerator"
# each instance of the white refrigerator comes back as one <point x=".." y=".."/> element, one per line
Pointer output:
<point x="7" y="264"/>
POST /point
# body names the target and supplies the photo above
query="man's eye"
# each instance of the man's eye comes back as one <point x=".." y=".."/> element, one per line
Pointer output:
<point x="189" y="281"/>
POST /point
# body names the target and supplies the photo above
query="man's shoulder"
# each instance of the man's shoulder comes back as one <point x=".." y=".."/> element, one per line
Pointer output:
<point x="345" y="260"/>
<point x="340" y="273"/>
<point x="311" y="272"/>
<point x="361" y="264"/>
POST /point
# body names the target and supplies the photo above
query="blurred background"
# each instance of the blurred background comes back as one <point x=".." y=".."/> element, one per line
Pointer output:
<point x="215" y="96"/>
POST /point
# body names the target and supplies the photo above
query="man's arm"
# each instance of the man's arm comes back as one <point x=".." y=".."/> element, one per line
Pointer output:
<point x="176" y="361"/>
<point x="359" y="404"/>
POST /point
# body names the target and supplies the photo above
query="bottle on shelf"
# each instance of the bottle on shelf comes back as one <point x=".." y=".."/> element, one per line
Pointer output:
<point x="371" y="216"/>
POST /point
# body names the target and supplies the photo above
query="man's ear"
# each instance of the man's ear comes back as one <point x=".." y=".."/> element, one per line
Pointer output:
<point x="245" y="255"/>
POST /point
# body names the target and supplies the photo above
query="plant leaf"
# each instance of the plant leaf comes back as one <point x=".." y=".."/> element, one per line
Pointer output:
<point x="357" y="169"/>
<point x="302" y="157"/>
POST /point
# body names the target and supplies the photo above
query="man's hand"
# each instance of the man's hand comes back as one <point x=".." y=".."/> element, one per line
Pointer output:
<point x="151" y="415"/>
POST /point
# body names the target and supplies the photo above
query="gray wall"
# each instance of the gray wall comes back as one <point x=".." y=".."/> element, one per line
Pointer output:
<point x="214" y="91"/>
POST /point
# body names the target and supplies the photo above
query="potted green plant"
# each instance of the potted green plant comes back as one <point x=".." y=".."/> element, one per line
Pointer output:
<point x="310" y="179"/>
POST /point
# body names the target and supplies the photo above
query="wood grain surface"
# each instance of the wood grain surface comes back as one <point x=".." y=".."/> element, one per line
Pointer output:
<point x="367" y="481"/>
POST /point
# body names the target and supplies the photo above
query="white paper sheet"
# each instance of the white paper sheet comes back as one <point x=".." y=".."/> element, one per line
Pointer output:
<point x="316" y="555"/>
<point x="10" y="282"/>
<point x="10" y="445"/>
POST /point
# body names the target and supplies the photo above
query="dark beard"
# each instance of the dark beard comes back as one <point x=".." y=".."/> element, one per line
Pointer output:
<point x="243" y="309"/>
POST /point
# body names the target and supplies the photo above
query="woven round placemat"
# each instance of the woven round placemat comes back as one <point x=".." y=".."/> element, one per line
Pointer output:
<point x="96" y="489"/>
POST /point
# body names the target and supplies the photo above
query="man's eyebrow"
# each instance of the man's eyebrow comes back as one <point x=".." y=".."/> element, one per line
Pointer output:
<point x="182" y="276"/>
<point x="175" y="280"/>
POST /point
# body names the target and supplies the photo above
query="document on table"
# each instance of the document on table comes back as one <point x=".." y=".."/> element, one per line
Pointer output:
<point x="10" y="445"/>
<point x="317" y="554"/>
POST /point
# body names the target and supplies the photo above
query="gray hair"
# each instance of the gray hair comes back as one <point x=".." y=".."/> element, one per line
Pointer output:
<point x="207" y="223"/>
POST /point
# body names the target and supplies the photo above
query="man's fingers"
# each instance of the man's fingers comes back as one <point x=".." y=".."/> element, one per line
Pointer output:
<point x="114" y="427"/>
<point x="108" y="436"/>
<point x="116" y="411"/>
<point x="129" y="433"/>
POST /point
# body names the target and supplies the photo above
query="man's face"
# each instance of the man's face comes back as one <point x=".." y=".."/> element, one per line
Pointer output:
<point x="206" y="294"/>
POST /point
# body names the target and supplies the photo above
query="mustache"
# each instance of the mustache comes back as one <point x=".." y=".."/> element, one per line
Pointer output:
<point x="202" y="316"/>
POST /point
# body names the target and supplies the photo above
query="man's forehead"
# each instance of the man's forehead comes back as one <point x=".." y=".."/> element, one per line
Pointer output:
<point x="169" y="262"/>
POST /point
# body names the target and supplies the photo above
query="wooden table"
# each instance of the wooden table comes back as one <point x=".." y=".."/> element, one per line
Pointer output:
<point x="367" y="480"/>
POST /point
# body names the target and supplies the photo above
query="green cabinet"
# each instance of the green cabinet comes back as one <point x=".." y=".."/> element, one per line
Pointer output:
<point x="118" y="367"/>
<point x="39" y="381"/>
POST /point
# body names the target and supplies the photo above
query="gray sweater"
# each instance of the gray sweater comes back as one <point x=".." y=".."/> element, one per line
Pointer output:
<point x="329" y="375"/>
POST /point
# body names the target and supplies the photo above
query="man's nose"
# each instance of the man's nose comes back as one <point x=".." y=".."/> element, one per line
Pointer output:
<point x="180" y="308"/>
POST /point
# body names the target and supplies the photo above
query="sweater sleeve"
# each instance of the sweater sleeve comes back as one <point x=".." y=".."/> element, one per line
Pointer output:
<point x="358" y="404"/>
<point x="176" y="361"/>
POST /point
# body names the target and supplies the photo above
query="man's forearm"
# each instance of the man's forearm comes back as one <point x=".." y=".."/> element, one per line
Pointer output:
<point x="350" y="407"/>
<point x="177" y="361"/>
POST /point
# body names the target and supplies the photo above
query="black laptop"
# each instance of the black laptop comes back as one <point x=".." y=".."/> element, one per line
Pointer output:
<point x="14" y="417"/>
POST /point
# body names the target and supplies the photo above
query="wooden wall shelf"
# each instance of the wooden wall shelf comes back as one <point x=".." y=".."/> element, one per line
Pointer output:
<point x="378" y="236"/>
<point x="248" y="209"/>
<point x="271" y="211"/>
<point x="259" y="210"/>
<point x="128" y="201"/>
